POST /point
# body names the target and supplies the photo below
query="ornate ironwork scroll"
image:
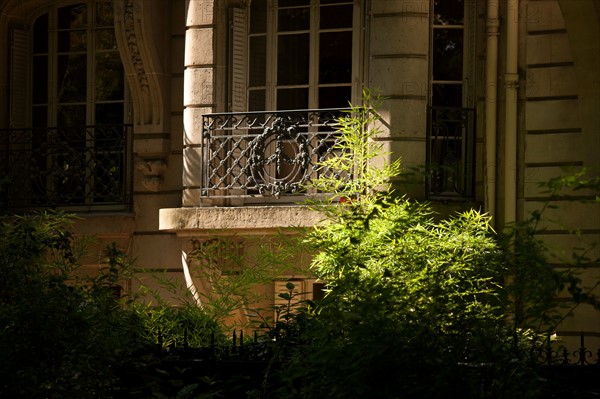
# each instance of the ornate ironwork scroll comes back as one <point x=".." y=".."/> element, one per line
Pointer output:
<point x="266" y="153"/>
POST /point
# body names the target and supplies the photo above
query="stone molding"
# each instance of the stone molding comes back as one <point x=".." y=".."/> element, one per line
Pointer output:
<point x="133" y="22"/>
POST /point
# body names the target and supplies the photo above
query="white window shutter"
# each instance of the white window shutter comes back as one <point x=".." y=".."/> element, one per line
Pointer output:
<point x="238" y="59"/>
<point x="19" y="78"/>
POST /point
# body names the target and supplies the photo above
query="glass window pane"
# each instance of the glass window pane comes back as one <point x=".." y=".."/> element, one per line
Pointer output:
<point x="292" y="59"/>
<point x="104" y="13"/>
<point x="291" y="3"/>
<point x="71" y="115"/>
<point x="292" y="99"/>
<point x="448" y="12"/>
<point x="71" y="79"/>
<point x="334" y="2"/>
<point x="258" y="16"/>
<point x="109" y="114"/>
<point x="335" y="57"/>
<point x="334" y="97"/>
<point x="258" y="61"/>
<point x="40" y="35"/>
<point x="447" y="54"/>
<point x="105" y="39"/>
<point x="291" y="19"/>
<point x="109" y="77"/>
<point x="39" y="116"/>
<point x="74" y="16"/>
<point x="336" y="16"/>
<point x="447" y="95"/>
<point x="40" y="79"/>
<point x="256" y="100"/>
<point x="72" y="41"/>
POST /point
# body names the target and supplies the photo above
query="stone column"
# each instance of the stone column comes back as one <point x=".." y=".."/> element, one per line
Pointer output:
<point x="198" y="90"/>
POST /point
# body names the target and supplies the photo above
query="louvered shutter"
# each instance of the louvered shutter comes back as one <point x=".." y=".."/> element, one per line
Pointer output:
<point x="238" y="59"/>
<point x="19" y="78"/>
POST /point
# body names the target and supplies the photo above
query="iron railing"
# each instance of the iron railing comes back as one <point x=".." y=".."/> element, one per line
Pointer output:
<point x="74" y="167"/>
<point x="451" y="153"/>
<point x="273" y="153"/>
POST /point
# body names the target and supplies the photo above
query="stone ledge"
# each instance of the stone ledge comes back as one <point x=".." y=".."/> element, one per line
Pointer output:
<point x="236" y="220"/>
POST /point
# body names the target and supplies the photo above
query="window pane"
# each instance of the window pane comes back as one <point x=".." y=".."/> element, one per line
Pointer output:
<point x="105" y="39"/>
<point x="258" y="61"/>
<point x="71" y="115"/>
<point x="336" y="16"/>
<point x="258" y="16"/>
<point x="335" y="57"/>
<point x="40" y="79"/>
<point x="40" y="35"/>
<point x="109" y="114"/>
<point x="109" y="77"/>
<point x="72" y="74"/>
<point x="291" y="19"/>
<point x="292" y="98"/>
<point x="291" y="3"/>
<point x="72" y="41"/>
<point x="104" y="14"/>
<point x="448" y="12"/>
<point x="74" y="16"/>
<point x="39" y="116"/>
<point x="447" y="95"/>
<point x="334" y="97"/>
<point x="292" y="59"/>
<point x="256" y="100"/>
<point x="447" y="54"/>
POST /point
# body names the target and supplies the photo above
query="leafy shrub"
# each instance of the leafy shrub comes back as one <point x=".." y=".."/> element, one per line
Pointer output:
<point x="59" y="337"/>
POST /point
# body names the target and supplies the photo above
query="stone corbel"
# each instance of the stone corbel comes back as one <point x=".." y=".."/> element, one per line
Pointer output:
<point x="153" y="171"/>
<point x="134" y="25"/>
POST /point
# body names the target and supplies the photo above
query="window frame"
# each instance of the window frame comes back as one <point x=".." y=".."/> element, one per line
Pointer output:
<point x="313" y="85"/>
<point x="466" y="165"/>
<point x="92" y="199"/>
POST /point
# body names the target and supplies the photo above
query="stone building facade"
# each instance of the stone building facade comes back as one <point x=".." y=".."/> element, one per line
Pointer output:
<point x="163" y="124"/>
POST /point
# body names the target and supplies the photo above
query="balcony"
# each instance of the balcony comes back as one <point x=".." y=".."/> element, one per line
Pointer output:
<point x="451" y="153"/>
<point x="73" y="168"/>
<point x="266" y="156"/>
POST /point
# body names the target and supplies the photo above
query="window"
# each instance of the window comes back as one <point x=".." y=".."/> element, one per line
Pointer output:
<point x="301" y="54"/>
<point x="451" y="124"/>
<point x="74" y="148"/>
<point x="78" y="78"/>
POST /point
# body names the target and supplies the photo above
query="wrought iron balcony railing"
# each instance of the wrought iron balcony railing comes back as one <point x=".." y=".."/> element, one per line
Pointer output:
<point x="80" y="168"/>
<point x="451" y="153"/>
<point x="266" y="153"/>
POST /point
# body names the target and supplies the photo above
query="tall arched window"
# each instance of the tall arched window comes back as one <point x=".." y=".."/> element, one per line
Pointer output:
<point x="74" y="150"/>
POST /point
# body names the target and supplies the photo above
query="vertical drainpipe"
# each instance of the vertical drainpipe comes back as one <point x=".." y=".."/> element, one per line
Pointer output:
<point x="491" y="104"/>
<point x="511" y="80"/>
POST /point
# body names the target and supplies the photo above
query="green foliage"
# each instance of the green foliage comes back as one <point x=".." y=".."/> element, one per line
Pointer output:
<point x="66" y="335"/>
<point x="61" y="335"/>
<point x="169" y="326"/>
<point x="234" y="268"/>
<point x="356" y="153"/>
<point x="408" y="298"/>
<point x="415" y="307"/>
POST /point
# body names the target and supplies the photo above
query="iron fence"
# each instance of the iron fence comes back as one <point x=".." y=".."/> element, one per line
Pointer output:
<point x="258" y="348"/>
<point x="273" y="153"/>
<point x="74" y="167"/>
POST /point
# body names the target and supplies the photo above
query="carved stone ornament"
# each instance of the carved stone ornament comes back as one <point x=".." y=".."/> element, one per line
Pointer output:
<point x="143" y="67"/>
<point x="152" y="171"/>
